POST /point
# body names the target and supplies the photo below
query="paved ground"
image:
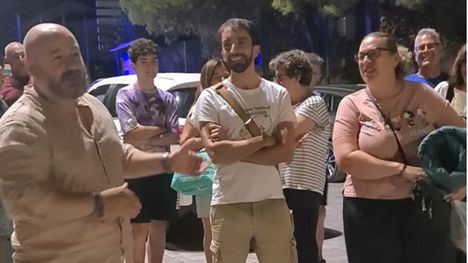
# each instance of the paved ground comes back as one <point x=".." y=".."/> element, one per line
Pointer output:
<point x="334" y="249"/>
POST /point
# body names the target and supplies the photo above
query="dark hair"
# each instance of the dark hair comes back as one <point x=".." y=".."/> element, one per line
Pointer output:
<point x="141" y="47"/>
<point x="236" y="23"/>
<point x="456" y="78"/>
<point x="207" y="72"/>
<point x="392" y="46"/>
<point x="295" y="63"/>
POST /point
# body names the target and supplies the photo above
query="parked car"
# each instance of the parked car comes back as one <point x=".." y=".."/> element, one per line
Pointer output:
<point x="182" y="85"/>
<point x="332" y="94"/>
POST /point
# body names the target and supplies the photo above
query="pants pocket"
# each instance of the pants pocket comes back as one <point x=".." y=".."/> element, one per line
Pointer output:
<point x="216" y="251"/>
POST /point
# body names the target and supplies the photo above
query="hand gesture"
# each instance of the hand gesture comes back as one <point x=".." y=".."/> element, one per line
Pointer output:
<point x="186" y="162"/>
<point x="119" y="202"/>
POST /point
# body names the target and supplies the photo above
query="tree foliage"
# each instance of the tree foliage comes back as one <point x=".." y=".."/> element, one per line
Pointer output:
<point x="173" y="18"/>
<point x="286" y="24"/>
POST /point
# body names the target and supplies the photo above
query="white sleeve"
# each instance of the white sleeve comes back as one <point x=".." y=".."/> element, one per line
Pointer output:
<point x="206" y="109"/>
<point x="286" y="112"/>
<point x="442" y="88"/>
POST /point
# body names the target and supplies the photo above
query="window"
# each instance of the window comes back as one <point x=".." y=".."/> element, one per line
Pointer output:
<point x="100" y="92"/>
<point x="184" y="98"/>
<point x="111" y="95"/>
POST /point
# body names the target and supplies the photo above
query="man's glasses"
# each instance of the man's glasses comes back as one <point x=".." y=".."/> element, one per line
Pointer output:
<point x="372" y="54"/>
<point x="428" y="46"/>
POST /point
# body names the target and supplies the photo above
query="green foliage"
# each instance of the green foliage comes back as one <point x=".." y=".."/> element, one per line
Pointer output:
<point x="283" y="6"/>
<point x="326" y="7"/>
<point x="411" y="4"/>
<point x="173" y="18"/>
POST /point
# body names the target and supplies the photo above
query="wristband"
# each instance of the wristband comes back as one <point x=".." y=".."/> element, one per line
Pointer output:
<point x="98" y="209"/>
<point x="402" y="170"/>
<point x="165" y="162"/>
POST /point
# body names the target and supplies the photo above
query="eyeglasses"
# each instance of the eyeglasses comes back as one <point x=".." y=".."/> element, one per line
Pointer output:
<point x="371" y="54"/>
<point x="427" y="46"/>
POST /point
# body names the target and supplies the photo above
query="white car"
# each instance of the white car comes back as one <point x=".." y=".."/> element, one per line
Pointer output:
<point x="182" y="85"/>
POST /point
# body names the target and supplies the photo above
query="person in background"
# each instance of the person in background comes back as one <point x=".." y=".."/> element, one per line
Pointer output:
<point x="381" y="221"/>
<point x="454" y="90"/>
<point x="5" y="222"/>
<point x="148" y="117"/>
<point x="428" y="54"/>
<point x="304" y="177"/>
<point x="317" y="63"/>
<point x="211" y="73"/>
<point x="13" y="84"/>
<point x="407" y="60"/>
<point x="3" y="105"/>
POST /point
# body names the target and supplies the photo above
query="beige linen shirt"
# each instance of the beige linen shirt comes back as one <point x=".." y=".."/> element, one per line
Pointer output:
<point x="47" y="159"/>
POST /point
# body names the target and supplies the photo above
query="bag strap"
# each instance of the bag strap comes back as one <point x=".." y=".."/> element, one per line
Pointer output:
<point x="249" y="123"/>
<point x="388" y="122"/>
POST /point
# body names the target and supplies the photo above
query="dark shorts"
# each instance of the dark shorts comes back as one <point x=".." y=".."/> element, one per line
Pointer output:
<point x="324" y="197"/>
<point x="158" y="199"/>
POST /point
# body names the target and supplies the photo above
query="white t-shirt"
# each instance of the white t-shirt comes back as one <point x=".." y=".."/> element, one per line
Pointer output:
<point x="307" y="169"/>
<point x="268" y="105"/>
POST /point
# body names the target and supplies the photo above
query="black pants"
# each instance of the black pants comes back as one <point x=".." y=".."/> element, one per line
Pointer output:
<point x="380" y="231"/>
<point x="305" y="206"/>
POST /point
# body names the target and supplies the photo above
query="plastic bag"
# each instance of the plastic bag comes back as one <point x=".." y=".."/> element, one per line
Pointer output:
<point x="458" y="225"/>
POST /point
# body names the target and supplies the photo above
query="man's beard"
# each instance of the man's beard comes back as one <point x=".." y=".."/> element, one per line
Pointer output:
<point x="241" y="65"/>
<point x="72" y="84"/>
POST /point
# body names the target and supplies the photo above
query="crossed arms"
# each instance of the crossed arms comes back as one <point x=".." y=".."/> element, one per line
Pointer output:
<point x="263" y="150"/>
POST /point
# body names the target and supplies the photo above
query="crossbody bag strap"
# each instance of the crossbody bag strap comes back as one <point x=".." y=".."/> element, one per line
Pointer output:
<point x="249" y="123"/>
<point x="388" y="121"/>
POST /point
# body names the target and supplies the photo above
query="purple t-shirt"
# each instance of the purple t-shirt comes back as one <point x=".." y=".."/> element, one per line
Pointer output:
<point x="158" y="108"/>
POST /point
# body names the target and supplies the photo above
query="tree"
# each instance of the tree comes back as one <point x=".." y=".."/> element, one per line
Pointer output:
<point x="172" y="18"/>
<point x="304" y="24"/>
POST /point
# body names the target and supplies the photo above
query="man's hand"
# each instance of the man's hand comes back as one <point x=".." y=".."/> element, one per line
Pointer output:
<point x="217" y="133"/>
<point x="185" y="161"/>
<point x="413" y="173"/>
<point x="119" y="202"/>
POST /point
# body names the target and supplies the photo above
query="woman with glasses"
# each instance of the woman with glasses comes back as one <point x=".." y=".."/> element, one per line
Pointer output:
<point x="375" y="138"/>
<point x="304" y="178"/>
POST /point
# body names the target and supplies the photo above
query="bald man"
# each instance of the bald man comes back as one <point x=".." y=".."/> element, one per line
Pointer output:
<point x="62" y="163"/>
<point x="14" y="54"/>
<point x="12" y="86"/>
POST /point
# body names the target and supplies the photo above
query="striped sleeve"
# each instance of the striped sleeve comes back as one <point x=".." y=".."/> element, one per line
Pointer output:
<point x="315" y="109"/>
